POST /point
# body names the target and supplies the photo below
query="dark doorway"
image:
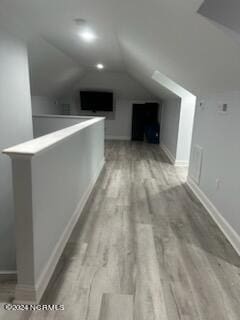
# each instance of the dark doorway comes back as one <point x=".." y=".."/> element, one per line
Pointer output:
<point x="145" y="122"/>
<point x="138" y="122"/>
<point x="151" y="113"/>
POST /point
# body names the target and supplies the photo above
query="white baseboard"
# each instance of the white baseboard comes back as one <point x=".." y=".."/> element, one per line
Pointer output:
<point x="6" y="275"/>
<point x="33" y="294"/>
<point x="181" y="163"/>
<point x="168" y="153"/>
<point x="118" y="138"/>
<point x="224" y="226"/>
<point x="26" y="295"/>
<point x="172" y="159"/>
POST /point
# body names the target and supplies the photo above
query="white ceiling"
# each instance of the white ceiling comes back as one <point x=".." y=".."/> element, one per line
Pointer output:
<point x="226" y="12"/>
<point x="135" y="36"/>
<point x="51" y="71"/>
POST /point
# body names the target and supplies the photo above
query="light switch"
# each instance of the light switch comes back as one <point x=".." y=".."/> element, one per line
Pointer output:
<point x="223" y="108"/>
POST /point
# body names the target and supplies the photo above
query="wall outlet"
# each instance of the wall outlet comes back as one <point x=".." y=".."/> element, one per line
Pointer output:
<point x="223" y="108"/>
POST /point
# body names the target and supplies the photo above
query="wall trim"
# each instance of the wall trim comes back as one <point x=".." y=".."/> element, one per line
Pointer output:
<point x="32" y="294"/>
<point x="46" y="115"/>
<point x="181" y="163"/>
<point x="25" y="295"/>
<point x="6" y="275"/>
<point x="118" y="138"/>
<point x="224" y="226"/>
<point x="168" y="153"/>
<point x="170" y="156"/>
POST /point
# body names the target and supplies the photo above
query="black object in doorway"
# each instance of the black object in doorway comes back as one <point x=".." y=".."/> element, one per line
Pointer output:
<point x="138" y="122"/>
<point x="145" y="122"/>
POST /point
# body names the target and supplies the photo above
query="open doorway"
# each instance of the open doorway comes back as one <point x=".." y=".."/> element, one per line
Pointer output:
<point x="145" y="122"/>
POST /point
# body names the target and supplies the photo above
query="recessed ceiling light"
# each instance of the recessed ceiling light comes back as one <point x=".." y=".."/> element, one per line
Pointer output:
<point x="100" y="66"/>
<point x="88" y="35"/>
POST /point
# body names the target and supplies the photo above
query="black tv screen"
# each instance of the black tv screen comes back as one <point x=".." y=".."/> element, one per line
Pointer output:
<point x="96" y="100"/>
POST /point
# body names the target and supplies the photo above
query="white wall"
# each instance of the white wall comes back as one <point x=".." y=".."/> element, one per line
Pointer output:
<point x="118" y="124"/>
<point x="126" y="91"/>
<point x="219" y="136"/>
<point x="64" y="189"/>
<point x="43" y="105"/>
<point x="171" y="109"/>
<point x="176" y="128"/>
<point x="121" y="126"/>
<point x="45" y="124"/>
<point x="53" y="177"/>
<point x="186" y="121"/>
<point x="15" y="127"/>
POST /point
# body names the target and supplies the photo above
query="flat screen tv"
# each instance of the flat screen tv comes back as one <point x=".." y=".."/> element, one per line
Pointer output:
<point x="96" y="100"/>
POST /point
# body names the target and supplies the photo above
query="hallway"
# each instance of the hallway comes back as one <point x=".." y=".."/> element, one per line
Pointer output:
<point x="144" y="249"/>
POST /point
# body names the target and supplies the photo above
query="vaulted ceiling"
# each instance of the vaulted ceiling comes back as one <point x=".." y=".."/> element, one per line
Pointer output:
<point x="225" y="12"/>
<point x="133" y="36"/>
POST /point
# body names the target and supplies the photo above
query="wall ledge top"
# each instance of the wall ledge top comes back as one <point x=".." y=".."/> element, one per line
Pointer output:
<point x="62" y="116"/>
<point x="36" y="146"/>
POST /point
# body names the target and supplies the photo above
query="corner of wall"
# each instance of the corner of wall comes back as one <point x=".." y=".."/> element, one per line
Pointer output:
<point x="216" y="215"/>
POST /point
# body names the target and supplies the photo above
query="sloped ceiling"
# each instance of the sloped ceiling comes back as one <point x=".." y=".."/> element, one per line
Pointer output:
<point x="134" y="36"/>
<point x="225" y="12"/>
<point x="51" y="71"/>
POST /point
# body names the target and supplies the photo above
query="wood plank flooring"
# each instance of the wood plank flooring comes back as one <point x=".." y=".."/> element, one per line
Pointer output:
<point x="144" y="249"/>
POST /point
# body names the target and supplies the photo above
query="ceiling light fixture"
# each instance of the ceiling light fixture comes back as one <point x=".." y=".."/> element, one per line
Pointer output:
<point x="87" y="35"/>
<point x="85" y="32"/>
<point x="100" y="66"/>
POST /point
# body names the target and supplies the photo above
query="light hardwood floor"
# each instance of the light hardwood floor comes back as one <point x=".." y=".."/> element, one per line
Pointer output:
<point x="144" y="249"/>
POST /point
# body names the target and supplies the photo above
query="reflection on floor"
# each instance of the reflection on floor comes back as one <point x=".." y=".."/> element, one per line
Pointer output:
<point x="144" y="249"/>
